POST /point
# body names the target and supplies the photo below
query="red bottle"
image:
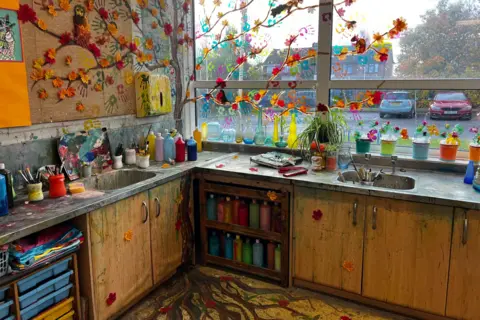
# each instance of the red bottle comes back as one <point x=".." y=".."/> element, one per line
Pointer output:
<point x="271" y="255"/>
<point x="243" y="214"/>
<point x="180" y="150"/>
<point x="236" y="205"/>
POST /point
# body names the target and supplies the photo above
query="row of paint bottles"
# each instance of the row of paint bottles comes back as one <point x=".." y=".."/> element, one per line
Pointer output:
<point x="260" y="216"/>
<point x="274" y="256"/>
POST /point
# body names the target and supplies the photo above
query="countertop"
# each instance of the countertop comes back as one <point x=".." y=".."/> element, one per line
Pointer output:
<point x="431" y="187"/>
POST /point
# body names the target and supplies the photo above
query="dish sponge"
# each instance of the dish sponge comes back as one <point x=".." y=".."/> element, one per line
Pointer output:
<point x="76" y="187"/>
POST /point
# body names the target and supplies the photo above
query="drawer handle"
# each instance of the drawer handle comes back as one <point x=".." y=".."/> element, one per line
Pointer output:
<point x="157" y="202"/>
<point x="465" y="230"/>
<point x="144" y="205"/>
<point x="374" y="218"/>
<point x="355" y="206"/>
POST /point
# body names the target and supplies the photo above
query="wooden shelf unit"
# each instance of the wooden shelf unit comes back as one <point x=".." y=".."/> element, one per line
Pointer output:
<point x="219" y="185"/>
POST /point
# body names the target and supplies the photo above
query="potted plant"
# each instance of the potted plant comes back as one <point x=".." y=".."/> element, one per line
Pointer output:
<point x="421" y="140"/>
<point x="388" y="138"/>
<point x="364" y="137"/>
<point x="449" y="145"/>
<point x="474" y="148"/>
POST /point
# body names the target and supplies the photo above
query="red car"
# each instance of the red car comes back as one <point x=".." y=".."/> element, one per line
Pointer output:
<point x="451" y="105"/>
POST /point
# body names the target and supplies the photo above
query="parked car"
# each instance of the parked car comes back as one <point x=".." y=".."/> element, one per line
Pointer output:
<point x="451" y="105"/>
<point x="397" y="104"/>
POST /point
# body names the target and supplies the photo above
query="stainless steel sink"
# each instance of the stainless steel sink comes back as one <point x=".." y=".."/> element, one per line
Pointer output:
<point x="387" y="181"/>
<point x="117" y="179"/>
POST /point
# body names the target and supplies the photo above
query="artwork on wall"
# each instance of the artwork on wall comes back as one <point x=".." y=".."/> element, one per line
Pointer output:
<point x="153" y="94"/>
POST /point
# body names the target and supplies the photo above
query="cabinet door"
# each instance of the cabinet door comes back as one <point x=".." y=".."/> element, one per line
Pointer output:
<point x="120" y="253"/>
<point x="464" y="281"/>
<point x="329" y="250"/>
<point x="407" y="252"/>
<point x="166" y="239"/>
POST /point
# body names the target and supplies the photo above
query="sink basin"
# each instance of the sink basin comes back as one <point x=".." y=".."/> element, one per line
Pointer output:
<point x="117" y="179"/>
<point x="387" y="181"/>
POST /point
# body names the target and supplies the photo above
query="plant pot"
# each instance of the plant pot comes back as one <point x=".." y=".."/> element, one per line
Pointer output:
<point x="331" y="162"/>
<point x="420" y="150"/>
<point x="448" y="152"/>
<point x="474" y="154"/>
<point x="363" y="146"/>
<point x="387" y="147"/>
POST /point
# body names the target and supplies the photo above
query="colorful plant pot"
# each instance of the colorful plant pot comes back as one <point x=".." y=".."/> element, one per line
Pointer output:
<point x="363" y="146"/>
<point x="331" y="162"/>
<point x="474" y="154"/>
<point x="420" y="150"/>
<point x="448" y="152"/>
<point x="387" y="147"/>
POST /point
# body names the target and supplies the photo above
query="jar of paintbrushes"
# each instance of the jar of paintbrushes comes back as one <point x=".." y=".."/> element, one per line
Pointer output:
<point x="34" y="185"/>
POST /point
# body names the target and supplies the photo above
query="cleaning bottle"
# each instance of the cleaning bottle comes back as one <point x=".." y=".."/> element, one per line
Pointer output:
<point x="211" y="208"/>
<point x="191" y="150"/>
<point x="235" y="207"/>
<point x="180" y="150"/>
<point x="247" y="252"/>
<point x="470" y="174"/>
<point x="265" y="216"/>
<point x="243" y="215"/>
<point x="254" y="215"/>
<point x="292" y="134"/>
<point x="237" y="247"/>
<point x="197" y="135"/>
<point x="159" y="147"/>
<point x="168" y="147"/>
<point x="9" y="182"/>
<point x="151" y="138"/>
<point x="227" y="210"/>
<point x="258" y="253"/>
<point x="271" y="255"/>
<point x="3" y="196"/>
<point x="214" y="244"/>
<point x="278" y="258"/>
<point x="220" y="211"/>
<point x="229" y="247"/>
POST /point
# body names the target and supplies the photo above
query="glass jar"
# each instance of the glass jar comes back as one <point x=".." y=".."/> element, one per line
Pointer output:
<point x="214" y="131"/>
<point x="248" y="134"/>
<point x="228" y="135"/>
<point x="344" y="157"/>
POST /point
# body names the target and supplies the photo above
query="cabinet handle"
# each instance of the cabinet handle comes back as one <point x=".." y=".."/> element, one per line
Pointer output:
<point x="355" y="206"/>
<point x="144" y="205"/>
<point x="158" y="207"/>
<point x="374" y="218"/>
<point x="465" y="229"/>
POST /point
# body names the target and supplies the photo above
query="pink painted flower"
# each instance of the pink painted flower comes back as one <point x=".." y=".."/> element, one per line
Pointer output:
<point x="111" y="298"/>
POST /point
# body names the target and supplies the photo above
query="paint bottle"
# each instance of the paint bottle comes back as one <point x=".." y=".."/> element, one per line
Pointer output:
<point x="278" y="258"/>
<point x="229" y="247"/>
<point x="180" y="150"/>
<point x="211" y="208"/>
<point x="258" y="253"/>
<point x="235" y="207"/>
<point x="220" y="211"/>
<point x="227" y="210"/>
<point x="3" y="196"/>
<point x="214" y="244"/>
<point x="254" y="215"/>
<point x="152" y="144"/>
<point x="197" y="135"/>
<point x="265" y="216"/>
<point x="470" y="174"/>
<point x="237" y="246"/>
<point x="243" y="214"/>
<point x="9" y="181"/>
<point x="175" y="135"/>
<point x="191" y="150"/>
<point x="271" y="255"/>
<point x="276" y="224"/>
<point x="292" y="134"/>
<point x="168" y="147"/>
<point x="159" y="148"/>
<point x="247" y="252"/>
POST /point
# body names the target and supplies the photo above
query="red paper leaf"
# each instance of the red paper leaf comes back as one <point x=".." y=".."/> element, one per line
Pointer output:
<point x="111" y="298"/>
<point x="283" y="303"/>
<point x="253" y="169"/>
<point x="221" y="165"/>
<point x="165" y="310"/>
<point x="210" y="304"/>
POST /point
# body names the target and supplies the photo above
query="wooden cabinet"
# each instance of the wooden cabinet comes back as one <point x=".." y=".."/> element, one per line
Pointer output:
<point x="166" y="239"/>
<point x="329" y="250"/>
<point x="120" y="254"/>
<point x="407" y="252"/>
<point x="464" y="281"/>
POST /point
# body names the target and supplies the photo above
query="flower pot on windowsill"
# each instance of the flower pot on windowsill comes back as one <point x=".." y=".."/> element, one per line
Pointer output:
<point x="420" y="150"/>
<point x="387" y="147"/>
<point x="363" y="145"/>
<point x="474" y="154"/>
<point x="448" y="152"/>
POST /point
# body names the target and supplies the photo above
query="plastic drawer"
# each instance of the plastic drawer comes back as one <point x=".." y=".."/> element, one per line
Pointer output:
<point x="44" y="289"/>
<point x="47" y="273"/>
<point x="45" y="302"/>
<point x="5" y="309"/>
<point x="3" y="292"/>
<point x="57" y="311"/>
<point x="68" y="316"/>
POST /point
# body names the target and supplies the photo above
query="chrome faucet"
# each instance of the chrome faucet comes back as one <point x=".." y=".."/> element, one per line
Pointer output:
<point x="394" y="163"/>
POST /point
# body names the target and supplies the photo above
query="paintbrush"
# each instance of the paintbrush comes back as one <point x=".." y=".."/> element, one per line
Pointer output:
<point x="23" y="176"/>
<point x="30" y="175"/>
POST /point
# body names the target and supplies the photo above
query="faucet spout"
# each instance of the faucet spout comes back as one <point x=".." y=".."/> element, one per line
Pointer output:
<point x="394" y="163"/>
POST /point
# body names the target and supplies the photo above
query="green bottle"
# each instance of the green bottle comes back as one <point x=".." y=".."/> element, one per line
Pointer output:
<point x="247" y="255"/>
<point x="254" y="215"/>
<point x="278" y="258"/>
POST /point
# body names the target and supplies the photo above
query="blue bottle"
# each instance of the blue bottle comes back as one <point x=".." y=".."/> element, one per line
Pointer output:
<point x="3" y="196"/>
<point x="214" y="245"/>
<point x="191" y="150"/>
<point x="212" y="208"/>
<point x="470" y="174"/>
<point x="168" y="147"/>
<point x="229" y="247"/>
<point x="258" y="254"/>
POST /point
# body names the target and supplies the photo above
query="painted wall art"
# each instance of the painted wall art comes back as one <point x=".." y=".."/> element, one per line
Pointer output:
<point x="153" y="94"/>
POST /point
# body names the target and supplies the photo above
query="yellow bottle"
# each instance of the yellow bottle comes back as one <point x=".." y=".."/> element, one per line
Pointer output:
<point x="204" y="131"/>
<point x="276" y="120"/>
<point x="292" y="134"/>
<point x="151" y="144"/>
<point x="197" y="136"/>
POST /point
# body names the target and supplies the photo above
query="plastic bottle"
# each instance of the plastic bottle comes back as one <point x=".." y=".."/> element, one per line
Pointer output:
<point x="470" y="174"/>
<point x="211" y="208"/>
<point x="243" y="215"/>
<point x="191" y="150"/>
<point x="235" y="207"/>
<point x="197" y="135"/>
<point x="237" y="248"/>
<point x="247" y="255"/>
<point x="258" y="253"/>
<point x="3" y="196"/>
<point x="168" y="147"/>
<point x="151" y="144"/>
<point x="276" y="121"/>
<point x="214" y="244"/>
<point x="229" y="247"/>
<point x="265" y="216"/>
<point x="204" y="131"/>
<point x="220" y="211"/>
<point x="9" y="182"/>
<point x="276" y="224"/>
<point x="227" y="210"/>
<point x="278" y="258"/>
<point x="175" y="135"/>
<point x="254" y="215"/>
<point x="292" y="134"/>
<point x="159" y="148"/>
<point x="271" y="255"/>
<point x="180" y="150"/>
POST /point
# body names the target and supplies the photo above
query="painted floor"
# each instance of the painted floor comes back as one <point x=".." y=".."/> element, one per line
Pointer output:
<point x="207" y="293"/>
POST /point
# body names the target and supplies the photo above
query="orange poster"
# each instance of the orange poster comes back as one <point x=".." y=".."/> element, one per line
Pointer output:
<point x="14" y="105"/>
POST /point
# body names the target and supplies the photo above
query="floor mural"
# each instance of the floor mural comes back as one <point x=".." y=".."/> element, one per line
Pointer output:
<point x="207" y="293"/>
